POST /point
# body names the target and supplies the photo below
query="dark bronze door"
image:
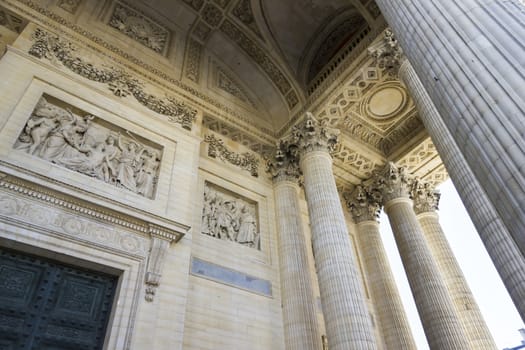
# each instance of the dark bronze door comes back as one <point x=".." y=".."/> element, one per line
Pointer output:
<point x="46" y="305"/>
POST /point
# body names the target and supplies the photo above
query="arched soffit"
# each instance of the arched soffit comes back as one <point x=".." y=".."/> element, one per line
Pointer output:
<point x="275" y="111"/>
<point x="331" y="37"/>
<point x="294" y="24"/>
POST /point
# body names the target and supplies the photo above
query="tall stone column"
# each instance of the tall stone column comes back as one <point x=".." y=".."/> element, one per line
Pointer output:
<point x="500" y="245"/>
<point x="426" y="201"/>
<point x="347" y="319"/>
<point x="364" y="205"/>
<point x="469" y="57"/>
<point x="301" y="328"/>
<point x="436" y="309"/>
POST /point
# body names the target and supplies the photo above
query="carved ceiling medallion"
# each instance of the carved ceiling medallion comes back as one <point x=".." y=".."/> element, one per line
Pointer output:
<point x="385" y="102"/>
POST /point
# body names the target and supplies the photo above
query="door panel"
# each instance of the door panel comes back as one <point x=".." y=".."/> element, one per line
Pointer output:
<point x="46" y="305"/>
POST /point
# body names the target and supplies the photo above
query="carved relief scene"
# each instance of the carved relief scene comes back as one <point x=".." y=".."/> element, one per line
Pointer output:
<point x="229" y="217"/>
<point x="79" y="141"/>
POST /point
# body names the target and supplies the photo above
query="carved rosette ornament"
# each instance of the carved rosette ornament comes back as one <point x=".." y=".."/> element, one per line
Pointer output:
<point x="387" y="52"/>
<point x="284" y="166"/>
<point x="364" y="204"/>
<point x="311" y="135"/>
<point x="393" y="182"/>
<point x="426" y="198"/>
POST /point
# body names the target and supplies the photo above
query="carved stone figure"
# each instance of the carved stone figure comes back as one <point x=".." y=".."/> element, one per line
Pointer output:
<point x="147" y="173"/>
<point x="79" y="143"/>
<point x="229" y="218"/>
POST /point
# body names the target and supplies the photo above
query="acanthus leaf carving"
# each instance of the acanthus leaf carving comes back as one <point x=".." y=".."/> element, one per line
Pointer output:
<point x="53" y="48"/>
<point x="388" y="53"/>
<point x="393" y="182"/>
<point x="246" y="160"/>
<point x="284" y="166"/>
<point x="364" y="204"/>
<point x="156" y="258"/>
<point x="312" y="135"/>
<point x="425" y="197"/>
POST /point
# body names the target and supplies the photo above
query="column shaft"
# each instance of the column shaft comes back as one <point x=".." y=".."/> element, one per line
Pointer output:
<point x="468" y="55"/>
<point x="502" y="249"/>
<point x="301" y="329"/>
<point x="385" y="295"/>
<point x="478" y="333"/>
<point x="348" y="323"/>
<point x="440" y="321"/>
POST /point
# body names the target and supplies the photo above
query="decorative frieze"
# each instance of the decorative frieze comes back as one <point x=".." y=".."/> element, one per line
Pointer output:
<point x="70" y="6"/>
<point x="122" y="84"/>
<point x="425" y="197"/>
<point x="11" y="21"/>
<point x="76" y="140"/>
<point x="364" y="204"/>
<point x="246" y="160"/>
<point x="192" y="63"/>
<point x="139" y="27"/>
<point x="229" y="217"/>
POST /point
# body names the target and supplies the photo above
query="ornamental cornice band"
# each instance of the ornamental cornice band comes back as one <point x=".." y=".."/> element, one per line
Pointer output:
<point x="109" y="216"/>
<point x="122" y="84"/>
<point x="246" y="161"/>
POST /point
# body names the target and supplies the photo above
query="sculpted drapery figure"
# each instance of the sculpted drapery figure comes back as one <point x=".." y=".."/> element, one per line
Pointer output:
<point x="229" y="219"/>
<point x="79" y="143"/>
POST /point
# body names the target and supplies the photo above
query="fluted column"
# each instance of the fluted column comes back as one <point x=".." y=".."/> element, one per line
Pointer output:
<point x="469" y="57"/>
<point x="436" y="309"/>
<point x="348" y="322"/>
<point x="426" y="201"/>
<point x="500" y="245"/>
<point x="301" y="328"/>
<point x="364" y="206"/>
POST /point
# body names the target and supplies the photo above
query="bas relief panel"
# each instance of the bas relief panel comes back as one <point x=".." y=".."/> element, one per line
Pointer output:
<point x="76" y="140"/>
<point x="229" y="217"/>
<point x="139" y="28"/>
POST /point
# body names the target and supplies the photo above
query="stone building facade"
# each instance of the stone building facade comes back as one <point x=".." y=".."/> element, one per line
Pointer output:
<point x="208" y="174"/>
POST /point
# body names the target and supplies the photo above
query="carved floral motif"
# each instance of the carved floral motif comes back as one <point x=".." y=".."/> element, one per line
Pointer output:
<point x="312" y="135"/>
<point x="55" y="49"/>
<point x="229" y="218"/>
<point x="139" y="28"/>
<point x="246" y="160"/>
<point x="284" y="165"/>
<point x="81" y="143"/>
<point x="364" y="204"/>
<point x="393" y="182"/>
<point x="387" y="52"/>
<point x="425" y="197"/>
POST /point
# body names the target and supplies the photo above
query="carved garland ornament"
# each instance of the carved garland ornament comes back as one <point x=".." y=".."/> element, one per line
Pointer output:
<point x="122" y="84"/>
<point x="246" y="161"/>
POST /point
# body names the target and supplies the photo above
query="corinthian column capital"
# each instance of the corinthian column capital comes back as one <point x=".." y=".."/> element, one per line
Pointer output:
<point x="364" y="204"/>
<point x="311" y="135"/>
<point x="284" y="166"/>
<point x="426" y="198"/>
<point x="393" y="182"/>
<point x="387" y="52"/>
